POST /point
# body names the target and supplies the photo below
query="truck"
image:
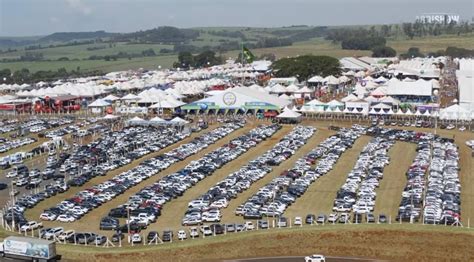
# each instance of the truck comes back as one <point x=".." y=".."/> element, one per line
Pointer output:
<point x="29" y="249"/>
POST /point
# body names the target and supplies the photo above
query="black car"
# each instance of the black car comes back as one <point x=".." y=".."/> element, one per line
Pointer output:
<point x="370" y="218"/>
<point x="117" y="237"/>
<point x="310" y="219"/>
<point x="217" y="229"/>
<point x="167" y="236"/>
<point x="3" y="186"/>
<point x="382" y="218"/>
<point x="357" y="219"/>
<point x="109" y="223"/>
<point x="152" y="236"/>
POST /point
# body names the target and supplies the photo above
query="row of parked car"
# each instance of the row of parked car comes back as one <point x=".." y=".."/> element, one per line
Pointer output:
<point x="358" y="192"/>
<point x="435" y="194"/>
<point x="206" y="207"/>
<point x="12" y="144"/>
<point x="443" y="192"/>
<point x="272" y="199"/>
<point x="146" y="205"/>
<point x="143" y="212"/>
<point x="114" y="150"/>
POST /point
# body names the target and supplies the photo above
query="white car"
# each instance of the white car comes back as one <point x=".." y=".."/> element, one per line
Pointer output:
<point x="32" y="225"/>
<point x="65" y="218"/>
<point x="65" y="235"/>
<point x="54" y="232"/>
<point x="136" y="239"/>
<point x="206" y="230"/>
<point x="182" y="235"/>
<point x="315" y="258"/>
<point x="298" y="221"/>
<point x="249" y="225"/>
<point x="48" y="216"/>
<point x="193" y="232"/>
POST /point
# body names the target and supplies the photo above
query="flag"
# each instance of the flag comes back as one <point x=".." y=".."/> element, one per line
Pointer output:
<point x="248" y="56"/>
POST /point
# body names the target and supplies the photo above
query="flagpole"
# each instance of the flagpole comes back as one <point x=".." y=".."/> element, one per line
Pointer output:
<point x="242" y="61"/>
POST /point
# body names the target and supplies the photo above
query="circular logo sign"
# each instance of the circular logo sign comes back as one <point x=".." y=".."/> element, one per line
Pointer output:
<point x="229" y="98"/>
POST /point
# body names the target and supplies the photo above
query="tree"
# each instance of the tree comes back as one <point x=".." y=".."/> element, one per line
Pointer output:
<point x="383" y="51"/>
<point x="414" y="52"/>
<point x="385" y="30"/>
<point x="185" y="59"/>
<point x="5" y="74"/>
<point x="206" y="58"/>
<point x="21" y="76"/>
<point x="306" y="66"/>
<point x="408" y="30"/>
<point x="362" y="43"/>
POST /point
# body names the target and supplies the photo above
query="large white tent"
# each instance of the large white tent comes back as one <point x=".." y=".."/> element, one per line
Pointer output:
<point x="239" y="98"/>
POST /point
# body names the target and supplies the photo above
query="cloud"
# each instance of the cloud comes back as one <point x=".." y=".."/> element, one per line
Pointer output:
<point x="54" y="20"/>
<point x="79" y="6"/>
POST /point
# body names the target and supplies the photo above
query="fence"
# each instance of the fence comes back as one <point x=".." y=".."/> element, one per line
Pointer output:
<point x="268" y="223"/>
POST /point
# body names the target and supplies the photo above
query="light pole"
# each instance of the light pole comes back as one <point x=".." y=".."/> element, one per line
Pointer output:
<point x="437" y="110"/>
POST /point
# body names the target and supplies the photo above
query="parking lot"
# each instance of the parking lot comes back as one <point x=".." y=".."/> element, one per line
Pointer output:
<point x="298" y="192"/>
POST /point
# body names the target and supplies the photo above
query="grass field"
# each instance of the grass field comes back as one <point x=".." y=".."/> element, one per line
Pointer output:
<point x="389" y="242"/>
<point x="316" y="46"/>
<point x="320" y="196"/>
<point x="394" y="180"/>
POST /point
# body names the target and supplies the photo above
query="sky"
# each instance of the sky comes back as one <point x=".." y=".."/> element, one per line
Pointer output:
<point x="42" y="17"/>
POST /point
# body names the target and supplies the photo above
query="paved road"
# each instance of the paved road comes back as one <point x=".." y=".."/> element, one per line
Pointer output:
<point x="300" y="259"/>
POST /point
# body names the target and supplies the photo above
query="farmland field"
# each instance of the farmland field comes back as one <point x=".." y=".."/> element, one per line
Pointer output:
<point x="315" y="46"/>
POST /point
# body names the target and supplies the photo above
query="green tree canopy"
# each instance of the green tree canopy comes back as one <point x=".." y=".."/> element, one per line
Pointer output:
<point x="306" y="66"/>
<point x="383" y="51"/>
<point x="185" y="59"/>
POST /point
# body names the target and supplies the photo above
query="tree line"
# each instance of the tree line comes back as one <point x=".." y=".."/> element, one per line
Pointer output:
<point x="25" y="76"/>
<point x="204" y="59"/>
<point x="304" y="67"/>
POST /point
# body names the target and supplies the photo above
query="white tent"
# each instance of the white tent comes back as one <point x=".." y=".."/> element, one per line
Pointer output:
<point x="304" y="89"/>
<point x="130" y="97"/>
<point x="99" y="103"/>
<point x="292" y="88"/>
<point x="456" y="112"/>
<point x="289" y="114"/>
<point x="278" y="89"/>
<point x="331" y="80"/>
<point x="157" y="121"/>
<point x="315" y="102"/>
<point x="163" y="104"/>
<point x="284" y="96"/>
<point x="178" y="121"/>
<point x="381" y="106"/>
<point x="350" y="97"/>
<point x="111" y="98"/>
<point x="334" y="103"/>
<point x="136" y="121"/>
<point x="110" y="117"/>
<point x="316" y="79"/>
<point x="344" y="79"/>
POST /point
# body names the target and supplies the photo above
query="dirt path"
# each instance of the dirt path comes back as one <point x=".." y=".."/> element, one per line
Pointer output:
<point x="174" y="211"/>
<point x="391" y="186"/>
<point x="320" y="195"/>
<point x="33" y="214"/>
<point x="228" y="215"/>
